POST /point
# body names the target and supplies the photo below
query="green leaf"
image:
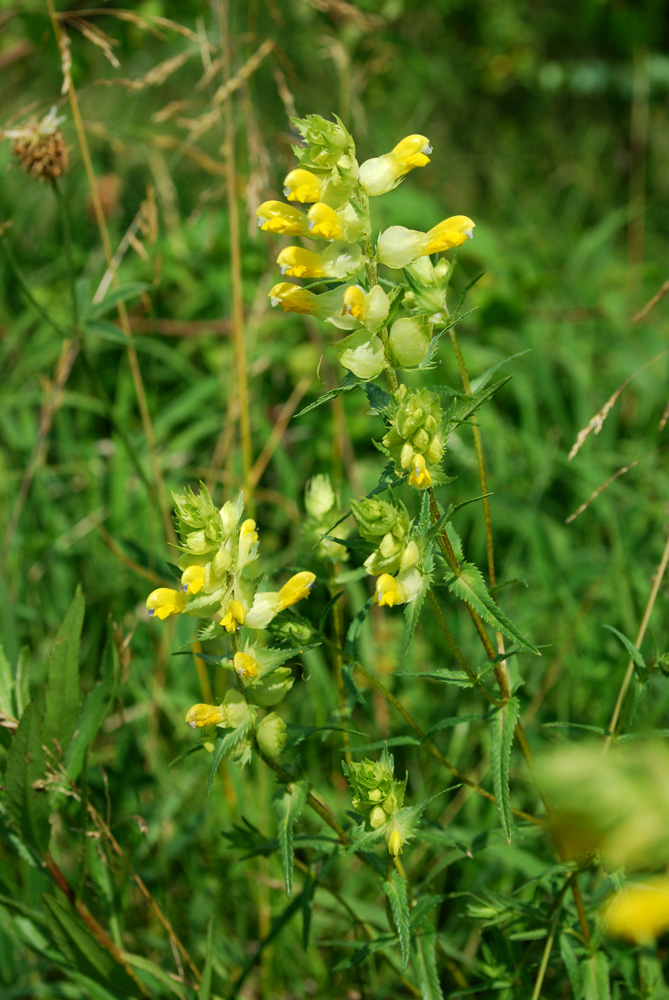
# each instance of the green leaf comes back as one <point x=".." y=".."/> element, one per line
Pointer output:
<point x="413" y="609"/>
<point x="348" y="382"/>
<point x="482" y="381"/>
<point x="361" y="839"/>
<point x="425" y="963"/>
<point x="348" y="676"/>
<point x="570" y="963"/>
<point x="398" y="897"/>
<point x="288" y="804"/>
<point x="27" y="805"/>
<point x="635" y="655"/>
<point x="62" y="692"/>
<point x="7" y="706"/>
<point x="464" y="409"/>
<point x="93" y="711"/>
<point x="204" y="993"/>
<point x="307" y="895"/>
<point x="106" y="330"/>
<point x="502" y="727"/>
<point x="361" y="952"/>
<point x="379" y="399"/>
<point x="453" y="720"/>
<point x="85" y="953"/>
<point x="325" y="614"/>
<point x="284" y="918"/>
<point x="226" y="743"/>
<point x="121" y="294"/>
<point x="470" y="587"/>
<point x="595" y="972"/>
<point x="354" y="629"/>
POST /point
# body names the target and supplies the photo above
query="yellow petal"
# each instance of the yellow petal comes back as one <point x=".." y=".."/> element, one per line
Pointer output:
<point x="303" y="186"/>
<point x="234" y="616"/>
<point x="420" y="478"/>
<point x="165" y="602"/>
<point x="387" y="591"/>
<point x="324" y="221"/>
<point x="355" y="301"/>
<point x="277" y="217"/>
<point x="293" y="298"/>
<point x="192" y="579"/>
<point x="245" y="665"/>
<point x="450" y="233"/>
<point x="205" y="715"/>
<point x="300" y="263"/>
<point x="412" y="151"/>
<point x="298" y="587"/>
<point x="639" y="912"/>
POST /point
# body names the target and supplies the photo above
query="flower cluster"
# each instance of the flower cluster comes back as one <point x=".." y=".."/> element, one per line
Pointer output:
<point x="216" y="548"/>
<point x="415" y="439"/>
<point x="323" y="512"/>
<point x="40" y="147"/>
<point x="396" y="562"/>
<point x="379" y="797"/>
<point x="337" y="191"/>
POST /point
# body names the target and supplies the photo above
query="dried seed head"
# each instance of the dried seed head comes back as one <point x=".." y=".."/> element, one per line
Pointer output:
<point x="40" y="147"/>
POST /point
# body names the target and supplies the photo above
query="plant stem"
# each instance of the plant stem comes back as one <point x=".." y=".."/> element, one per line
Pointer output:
<point x="67" y="240"/>
<point x="338" y="645"/>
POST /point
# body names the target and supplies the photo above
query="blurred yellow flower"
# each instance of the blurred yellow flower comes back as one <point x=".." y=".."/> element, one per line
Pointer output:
<point x="640" y="911"/>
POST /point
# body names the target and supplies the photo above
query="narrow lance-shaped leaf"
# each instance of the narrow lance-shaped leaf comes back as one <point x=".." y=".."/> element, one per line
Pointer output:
<point x="93" y="710"/>
<point x="396" y="894"/>
<point x="425" y="963"/>
<point x="502" y="727"/>
<point x="26" y="803"/>
<point x="470" y="587"/>
<point x="288" y="805"/>
<point x="62" y="693"/>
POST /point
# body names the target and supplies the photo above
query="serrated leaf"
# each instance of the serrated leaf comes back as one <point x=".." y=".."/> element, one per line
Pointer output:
<point x="121" y="294"/>
<point x="361" y="952"/>
<point x="93" y="711"/>
<point x="288" y="804"/>
<point x="379" y="399"/>
<point x="413" y="609"/>
<point x="470" y="587"/>
<point x="226" y="743"/>
<point x="464" y="409"/>
<point x="27" y="805"/>
<point x="425" y="963"/>
<point x="391" y="741"/>
<point x="62" y="692"/>
<point x="361" y="839"/>
<point x="481" y="382"/>
<point x="348" y="676"/>
<point x="397" y="895"/>
<point x="502" y="727"/>
<point x="595" y="973"/>
<point x="421" y="907"/>
<point x="350" y="381"/>
<point x="86" y="954"/>
<point x="635" y="655"/>
<point x="354" y="629"/>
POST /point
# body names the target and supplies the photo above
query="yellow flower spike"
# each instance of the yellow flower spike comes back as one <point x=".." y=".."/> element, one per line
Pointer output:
<point x="412" y="151"/>
<point x="450" y="233"/>
<point x="324" y="222"/>
<point x="248" y="536"/>
<point x="298" y="587"/>
<point x="355" y="302"/>
<point x="165" y="602"/>
<point x="395" y="843"/>
<point x="300" y="263"/>
<point x="245" y="665"/>
<point x="639" y="912"/>
<point x="205" y="715"/>
<point x="192" y="579"/>
<point x="303" y="186"/>
<point x="277" y="217"/>
<point x="293" y="298"/>
<point x="387" y="591"/>
<point x="234" y="617"/>
<point x="420" y="478"/>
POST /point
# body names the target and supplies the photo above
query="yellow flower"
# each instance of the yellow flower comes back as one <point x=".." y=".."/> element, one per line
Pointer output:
<point x="371" y="308"/>
<point x="395" y="843"/>
<point x="293" y="298"/>
<point x="298" y="587"/>
<point x="355" y="301"/>
<point x="387" y="591"/>
<point x="420" y="478"/>
<point x="303" y="186"/>
<point x="248" y="536"/>
<point x="165" y="602"/>
<point x="276" y="217"/>
<point x="205" y="715"/>
<point x="245" y="665"/>
<point x="193" y="579"/>
<point x="383" y="173"/>
<point x="234" y="616"/>
<point x="340" y="260"/>
<point x="398" y="246"/>
<point x="639" y="912"/>
<point x="324" y="221"/>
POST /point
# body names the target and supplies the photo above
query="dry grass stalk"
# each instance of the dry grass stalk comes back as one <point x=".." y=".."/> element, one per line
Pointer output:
<point x="155" y="76"/>
<point x="596" y="423"/>
<point x="65" y="60"/>
<point x="145" y="22"/>
<point x="97" y="37"/>
<point x="348" y="12"/>
<point x="611" y="479"/>
<point x="171" y="109"/>
<point x="284" y="92"/>
<point x="145" y="221"/>
<point x="650" y="304"/>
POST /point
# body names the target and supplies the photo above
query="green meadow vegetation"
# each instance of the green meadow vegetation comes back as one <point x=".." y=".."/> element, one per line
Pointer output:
<point x="333" y="592"/>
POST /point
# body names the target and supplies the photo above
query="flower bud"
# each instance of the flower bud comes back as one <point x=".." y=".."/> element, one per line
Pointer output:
<point x="271" y="734"/>
<point x="410" y="339"/>
<point x="395" y="843"/>
<point x="163" y="603"/>
<point x="272" y="688"/>
<point x="377" y="818"/>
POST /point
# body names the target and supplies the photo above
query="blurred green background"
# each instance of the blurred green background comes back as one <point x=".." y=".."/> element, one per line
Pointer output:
<point x="549" y="128"/>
